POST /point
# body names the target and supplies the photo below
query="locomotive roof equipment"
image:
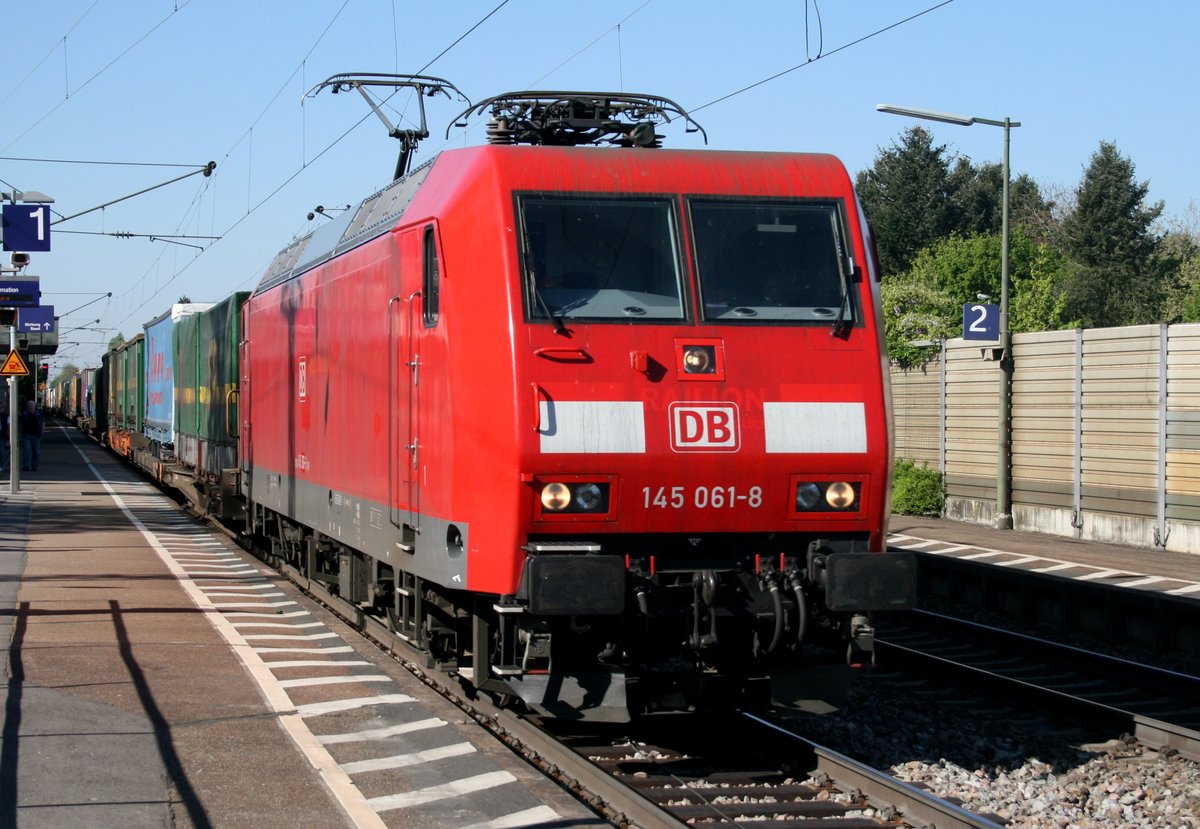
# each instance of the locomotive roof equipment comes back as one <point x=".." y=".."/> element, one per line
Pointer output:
<point x="423" y="85"/>
<point x="572" y="119"/>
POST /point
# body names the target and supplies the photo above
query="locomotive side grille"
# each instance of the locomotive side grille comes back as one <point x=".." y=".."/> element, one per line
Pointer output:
<point x="385" y="205"/>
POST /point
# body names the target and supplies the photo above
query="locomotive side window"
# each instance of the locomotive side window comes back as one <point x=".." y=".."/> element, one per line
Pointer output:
<point x="780" y="261"/>
<point x="600" y="258"/>
<point x="430" y="283"/>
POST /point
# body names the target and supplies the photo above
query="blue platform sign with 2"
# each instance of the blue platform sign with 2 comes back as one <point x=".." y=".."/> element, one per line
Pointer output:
<point x="981" y="322"/>
<point x="26" y="227"/>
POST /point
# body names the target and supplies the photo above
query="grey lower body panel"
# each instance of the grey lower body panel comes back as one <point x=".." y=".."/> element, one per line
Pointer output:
<point x="436" y="553"/>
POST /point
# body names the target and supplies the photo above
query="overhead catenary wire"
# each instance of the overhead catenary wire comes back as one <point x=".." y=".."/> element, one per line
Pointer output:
<point x="821" y="55"/>
<point x="178" y="6"/>
<point x="142" y="293"/>
<point x="820" y="30"/>
<point x="251" y="208"/>
<point x="63" y="41"/>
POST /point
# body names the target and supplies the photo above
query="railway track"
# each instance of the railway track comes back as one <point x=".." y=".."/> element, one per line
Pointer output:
<point x="743" y="770"/>
<point x="1158" y="706"/>
<point x="672" y="771"/>
<point x="844" y="794"/>
<point x="1143" y="625"/>
<point x="655" y="774"/>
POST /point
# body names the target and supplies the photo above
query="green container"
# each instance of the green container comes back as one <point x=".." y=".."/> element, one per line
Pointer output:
<point x="128" y="389"/>
<point x="206" y="381"/>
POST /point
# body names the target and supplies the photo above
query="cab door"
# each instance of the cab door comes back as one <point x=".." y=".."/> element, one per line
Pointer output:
<point x="245" y="399"/>
<point x="411" y="314"/>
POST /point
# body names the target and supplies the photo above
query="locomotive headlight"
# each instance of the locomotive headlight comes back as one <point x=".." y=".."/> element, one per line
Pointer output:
<point x="556" y="497"/>
<point x="840" y="495"/>
<point x="807" y="497"/>
<point x="587" y="497"/>
<point x="577" y="498"/>
<point x="699" y="359"/>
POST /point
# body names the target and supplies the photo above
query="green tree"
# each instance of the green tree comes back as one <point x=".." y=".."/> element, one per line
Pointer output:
<point x="1179" y="255"/>
<point x="116" y="342"/>
<point x="925" y="304"/>
<point x="906" y="195"/>
<point x="1115" y="277"/>
<point x="965" y="268"/>
<point x="1039" y="302"/>
<point x="1189" y="310"/>
<point x="979" y="200"/>
<point x="917" y="315"/>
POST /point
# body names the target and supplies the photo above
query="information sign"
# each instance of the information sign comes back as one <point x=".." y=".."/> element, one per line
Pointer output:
<point x="981" y="322"/>
<point x="26" y="227"/>
<point x="20" y="293"/>
<point x="37" y="320"/>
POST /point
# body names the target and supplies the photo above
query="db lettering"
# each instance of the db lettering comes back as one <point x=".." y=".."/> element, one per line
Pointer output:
<point x="704" y="427"/>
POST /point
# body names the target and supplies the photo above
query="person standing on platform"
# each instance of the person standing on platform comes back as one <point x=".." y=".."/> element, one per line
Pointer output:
<point x="31" y="427"/>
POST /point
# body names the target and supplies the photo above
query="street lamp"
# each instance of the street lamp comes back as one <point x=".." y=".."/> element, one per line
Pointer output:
<point x="1003" y="517"/>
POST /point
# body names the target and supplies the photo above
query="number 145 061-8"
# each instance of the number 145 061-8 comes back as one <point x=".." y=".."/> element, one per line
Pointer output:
<point x="701" y="497"/>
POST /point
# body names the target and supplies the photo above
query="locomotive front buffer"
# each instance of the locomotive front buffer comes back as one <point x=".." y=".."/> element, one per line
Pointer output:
<point x="685" y="628"/>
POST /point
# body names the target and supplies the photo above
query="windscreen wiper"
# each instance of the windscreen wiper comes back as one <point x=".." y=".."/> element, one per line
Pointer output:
<point x="843" y="323"/>
<point x="559" y="328"/>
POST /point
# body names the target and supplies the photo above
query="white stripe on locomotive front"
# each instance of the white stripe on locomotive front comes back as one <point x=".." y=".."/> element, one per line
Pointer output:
<point x="592" y="426"/>
<point x="616" y="426"/>
<point x="815" y="427"/>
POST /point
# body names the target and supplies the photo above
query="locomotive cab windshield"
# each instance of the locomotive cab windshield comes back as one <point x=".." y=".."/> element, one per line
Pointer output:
<point x="770" y="262"/>
<point x="601" y="258"/>
<point x="617" y="259"/>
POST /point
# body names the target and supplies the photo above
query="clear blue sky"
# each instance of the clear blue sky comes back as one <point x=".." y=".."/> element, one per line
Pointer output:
<point x="189" y="81"/>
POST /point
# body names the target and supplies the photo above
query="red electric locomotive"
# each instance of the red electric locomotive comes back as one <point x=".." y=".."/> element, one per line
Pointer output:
<point x="603" y="428"/>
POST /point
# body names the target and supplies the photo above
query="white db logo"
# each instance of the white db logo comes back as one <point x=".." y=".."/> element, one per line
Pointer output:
<point x="704" y="427"/>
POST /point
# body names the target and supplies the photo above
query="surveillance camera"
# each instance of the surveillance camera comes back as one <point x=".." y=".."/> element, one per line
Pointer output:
<point x="19" y="260"/>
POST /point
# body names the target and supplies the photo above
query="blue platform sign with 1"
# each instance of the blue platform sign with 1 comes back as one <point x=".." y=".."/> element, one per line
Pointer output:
<point x="26" y="227"/>
<point x="981" y="322"/>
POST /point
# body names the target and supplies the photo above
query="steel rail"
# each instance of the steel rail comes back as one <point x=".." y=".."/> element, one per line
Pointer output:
<point x="915" y="805"/>
<point x="1155" y="733"/>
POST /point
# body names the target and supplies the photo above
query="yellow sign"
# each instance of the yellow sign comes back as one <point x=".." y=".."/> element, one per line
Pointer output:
<point x="14" y="366"/>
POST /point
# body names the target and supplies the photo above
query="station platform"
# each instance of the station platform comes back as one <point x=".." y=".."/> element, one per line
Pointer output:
<point x="1135" y="568"/>
<point x="157" y="676"/>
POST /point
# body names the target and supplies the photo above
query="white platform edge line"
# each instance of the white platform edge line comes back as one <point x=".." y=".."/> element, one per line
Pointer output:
<point x="352" y="801"/>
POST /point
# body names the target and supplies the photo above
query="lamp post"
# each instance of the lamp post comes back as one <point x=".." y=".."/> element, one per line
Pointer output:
<point x="1003" y="517"/>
